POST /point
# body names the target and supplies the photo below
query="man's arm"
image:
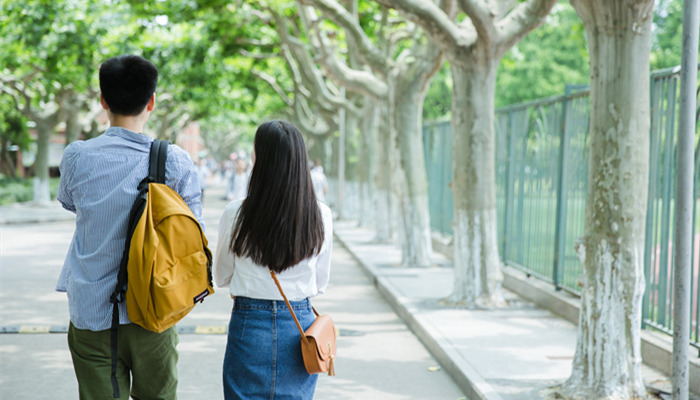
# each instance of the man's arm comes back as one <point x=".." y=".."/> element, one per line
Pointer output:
<point x="67" y="168"/>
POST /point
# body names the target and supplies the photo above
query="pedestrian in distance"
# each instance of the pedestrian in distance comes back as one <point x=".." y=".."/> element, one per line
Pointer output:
<point x="203" y="173"/>
<point x="99" y="181"/>
<point x="280" y="226"/>
<point x="239" y="180"/>
<point x="319" y="180"/>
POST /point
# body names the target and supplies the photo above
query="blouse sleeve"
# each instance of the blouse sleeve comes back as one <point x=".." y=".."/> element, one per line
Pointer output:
<point x="224" y="259"/>
<point x="323" y="264"/>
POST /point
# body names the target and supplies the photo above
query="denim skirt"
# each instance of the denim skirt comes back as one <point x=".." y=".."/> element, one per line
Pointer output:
<point x="263" y="353"/>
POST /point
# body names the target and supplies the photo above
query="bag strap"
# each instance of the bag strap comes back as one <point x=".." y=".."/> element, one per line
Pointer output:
<point x="156" y="164"/>
<point x="289" y="306"/>
<point x="156" y="173"/>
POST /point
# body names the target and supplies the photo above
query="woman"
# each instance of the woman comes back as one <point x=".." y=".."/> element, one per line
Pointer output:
<point x="281" y="226"/>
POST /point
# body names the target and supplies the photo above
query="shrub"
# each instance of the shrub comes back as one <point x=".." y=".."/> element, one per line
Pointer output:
<point x="16" y="190"/>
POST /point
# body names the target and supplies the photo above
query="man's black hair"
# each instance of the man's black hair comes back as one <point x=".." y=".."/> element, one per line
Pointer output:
<point x="127" y="83"/>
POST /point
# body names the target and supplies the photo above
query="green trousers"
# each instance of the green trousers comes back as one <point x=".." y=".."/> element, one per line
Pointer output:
<point x="146" y="367"/>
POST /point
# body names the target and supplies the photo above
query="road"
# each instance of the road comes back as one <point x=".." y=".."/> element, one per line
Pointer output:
<point x="378" y="356"/>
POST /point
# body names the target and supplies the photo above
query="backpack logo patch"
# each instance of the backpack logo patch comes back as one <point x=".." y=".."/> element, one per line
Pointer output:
<point x="200" y="297"/>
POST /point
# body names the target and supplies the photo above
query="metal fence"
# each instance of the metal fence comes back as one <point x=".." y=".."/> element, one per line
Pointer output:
<point x="542" y="185"/>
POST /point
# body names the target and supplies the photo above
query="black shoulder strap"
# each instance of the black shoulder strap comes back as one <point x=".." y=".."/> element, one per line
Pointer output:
<point x="156" y="173"/>
<point x="156" y="164"/>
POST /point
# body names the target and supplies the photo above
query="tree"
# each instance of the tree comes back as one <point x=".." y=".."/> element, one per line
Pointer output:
<point x="376" y="146"/>
<point x="474" y="47"/>
<point x="407" y="71"/>
<point x="607" y="363"/>
<point x="48" y="56"/>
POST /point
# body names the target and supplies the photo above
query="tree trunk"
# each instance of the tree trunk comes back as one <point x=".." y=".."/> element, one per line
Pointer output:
<point x="368" y="162"/>
<point x="44" y="130"/>
<point x="382" y="180"/>
<point x="406" y="99"/>
<point x="608" y="359"/>
<point x="478" y="267"/>
<point x="73" y="127"/>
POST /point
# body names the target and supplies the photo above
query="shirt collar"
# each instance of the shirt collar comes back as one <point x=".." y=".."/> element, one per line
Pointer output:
<point x="124" y="133"/>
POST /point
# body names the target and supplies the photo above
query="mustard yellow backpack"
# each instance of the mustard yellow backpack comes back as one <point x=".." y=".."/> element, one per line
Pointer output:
<point x="166" y="264"/>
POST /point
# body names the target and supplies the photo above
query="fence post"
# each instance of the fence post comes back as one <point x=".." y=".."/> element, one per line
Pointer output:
<point x="508" y="208"/>
<point x="684" y="201"/>
<point x="562" y="188"/>
<point x="650" y="233"/>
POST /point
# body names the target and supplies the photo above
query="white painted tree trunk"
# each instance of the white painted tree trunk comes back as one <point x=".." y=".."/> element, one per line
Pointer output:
<point x="368" y="162"/>
<point x="384" y="223"/>
<point x="607" y="362"/>
<point x="410" y="178"/>
<point x="478" y="267"/>
<point x="41" y="164"/>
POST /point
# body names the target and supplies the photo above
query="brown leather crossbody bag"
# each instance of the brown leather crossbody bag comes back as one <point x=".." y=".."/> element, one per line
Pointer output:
<point x="318" y="342"/>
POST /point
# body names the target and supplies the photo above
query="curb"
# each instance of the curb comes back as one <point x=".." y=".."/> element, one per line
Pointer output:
<point x="464" y="375"/>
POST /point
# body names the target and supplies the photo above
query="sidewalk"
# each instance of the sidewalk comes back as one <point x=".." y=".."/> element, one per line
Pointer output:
<point x="28" y="213"/>
<point x="510" y="354"/>
<point x="514" y="353"/>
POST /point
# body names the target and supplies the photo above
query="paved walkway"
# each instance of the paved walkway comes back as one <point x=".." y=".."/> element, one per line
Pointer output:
<point x="379" y="357"/>
<point x="514" y="353"/>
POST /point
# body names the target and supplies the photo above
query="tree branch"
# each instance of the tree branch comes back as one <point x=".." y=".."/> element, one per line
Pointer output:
<point x="342" y="17"/>
<point x="272" y="82"/>
<point x="481" y="16"/>
<point x="521" y="20"/>
<point x="10" y="85"/>
<point x="256" y="56"/>
<point x="436" y="21"/>
<point x="359" y="81"/>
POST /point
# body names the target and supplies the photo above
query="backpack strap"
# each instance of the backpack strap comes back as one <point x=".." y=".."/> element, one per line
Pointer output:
<point x="158" y="156"/>
<point x="156" y="173"/>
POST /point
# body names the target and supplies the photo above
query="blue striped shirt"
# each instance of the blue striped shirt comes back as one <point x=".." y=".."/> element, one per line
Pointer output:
<point x="99" y="180"/>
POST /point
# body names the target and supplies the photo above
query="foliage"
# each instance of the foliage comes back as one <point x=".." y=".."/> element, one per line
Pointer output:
<point x="14" y="135"/>
<point x="15" y="190"/>
<point x="438" y="99"/>
<point x="553" y="55"/>
<point x="667" y="34"/>
<point x="52" y="46"/>
<point x="13" y="125"/>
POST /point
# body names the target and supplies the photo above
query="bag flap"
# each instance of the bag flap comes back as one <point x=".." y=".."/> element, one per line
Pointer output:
<point x="322" y="335"/>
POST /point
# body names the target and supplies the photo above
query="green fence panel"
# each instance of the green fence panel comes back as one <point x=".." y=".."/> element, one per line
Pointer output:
<point x="437" y="145"/>
<point x="657" y="306"/>
<point x="542" y="189"/>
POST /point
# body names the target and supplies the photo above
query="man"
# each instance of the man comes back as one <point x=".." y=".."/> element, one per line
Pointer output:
<point x="99" y="180"/>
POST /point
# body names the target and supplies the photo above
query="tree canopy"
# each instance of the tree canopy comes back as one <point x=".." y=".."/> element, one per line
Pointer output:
<point x="212" y="55"/>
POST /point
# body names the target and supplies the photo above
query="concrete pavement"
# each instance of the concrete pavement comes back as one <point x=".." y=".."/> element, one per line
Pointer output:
<point x="514" y="353"/>
<point x="517" y="353"/>
<point x="379" y="357"/>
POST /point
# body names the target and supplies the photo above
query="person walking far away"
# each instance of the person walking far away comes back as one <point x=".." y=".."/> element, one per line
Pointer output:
<point x="99" y="180"/>
<point x="319" y="180"/>
<point x="281" y="227"/>
<point x="203" y="173"/>
<point x="239" y="181"/>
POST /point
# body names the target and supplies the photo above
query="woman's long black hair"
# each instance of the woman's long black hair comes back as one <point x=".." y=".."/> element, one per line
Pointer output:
<point x="279" y="223"/>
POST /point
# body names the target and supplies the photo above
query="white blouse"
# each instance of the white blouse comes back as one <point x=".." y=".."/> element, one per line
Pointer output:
<point x="309" y="278"/>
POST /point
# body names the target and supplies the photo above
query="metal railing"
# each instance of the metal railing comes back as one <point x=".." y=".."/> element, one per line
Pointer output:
<point x="542" y="187"/>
